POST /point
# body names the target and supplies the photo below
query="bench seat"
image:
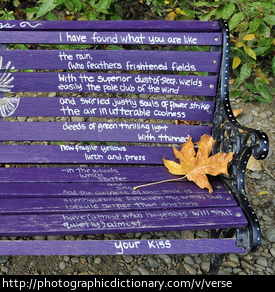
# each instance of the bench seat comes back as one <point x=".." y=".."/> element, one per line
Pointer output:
<point x="63" y="201"/>
<point x="48" y="208"/>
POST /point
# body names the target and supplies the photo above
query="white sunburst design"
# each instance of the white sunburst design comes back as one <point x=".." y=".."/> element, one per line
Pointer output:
<point x="8" y="105"/>
<point x="5" y="77"/>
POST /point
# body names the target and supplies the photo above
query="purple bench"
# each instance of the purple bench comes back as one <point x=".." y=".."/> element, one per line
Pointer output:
<point x="120" y="88"/>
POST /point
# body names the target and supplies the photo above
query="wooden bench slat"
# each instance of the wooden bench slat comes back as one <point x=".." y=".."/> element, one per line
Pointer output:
<point x="115" y="25"/>
<point x="98" y="204"/>
<point x="122" y="222"/>
<point x="119" y="247"/>
<point x="118" y="37"/>
<point x="109" y="107"/>
<point x="114" y="60"/>
<point x="72" y="154"/>
<point x="88" y="174"/>
<point x="116" y="83"/>
<point x="100" y="131"/>
<point x="84" y="174"/>
<point x="91" y="189"/>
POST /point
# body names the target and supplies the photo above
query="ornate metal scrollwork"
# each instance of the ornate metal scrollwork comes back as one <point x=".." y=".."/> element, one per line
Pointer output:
<point x="231" y="136"/>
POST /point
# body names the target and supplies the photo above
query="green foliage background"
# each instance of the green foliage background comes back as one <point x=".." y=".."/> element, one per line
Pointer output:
<point x="251" y="27"/>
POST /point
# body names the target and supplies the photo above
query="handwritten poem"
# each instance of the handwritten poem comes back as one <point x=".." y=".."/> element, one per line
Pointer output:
<point x="125" y="83"/>
<point x="132" y="108"/>
<point x="128" y="38"/>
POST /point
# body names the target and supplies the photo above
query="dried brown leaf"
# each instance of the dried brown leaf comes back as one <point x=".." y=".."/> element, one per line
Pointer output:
<point x="196" y="166"/>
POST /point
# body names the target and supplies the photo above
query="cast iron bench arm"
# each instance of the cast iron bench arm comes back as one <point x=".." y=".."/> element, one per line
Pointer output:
<point x="230" y="135"/>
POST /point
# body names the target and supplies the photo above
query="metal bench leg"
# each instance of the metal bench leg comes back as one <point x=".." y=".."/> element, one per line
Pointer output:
<point x="217" y="259"/>
<point x="215" y="263"/>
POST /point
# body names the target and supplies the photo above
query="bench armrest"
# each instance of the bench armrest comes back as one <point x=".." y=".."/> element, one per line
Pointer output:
<point x="228" y="132"/>
<point x="230" y="135"/>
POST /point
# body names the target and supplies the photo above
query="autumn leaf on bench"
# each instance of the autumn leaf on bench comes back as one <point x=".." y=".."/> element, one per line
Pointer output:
<point x="195" y="166"/>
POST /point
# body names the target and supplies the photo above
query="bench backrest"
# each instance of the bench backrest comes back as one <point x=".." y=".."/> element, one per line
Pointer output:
<point x="115" y="81"/>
